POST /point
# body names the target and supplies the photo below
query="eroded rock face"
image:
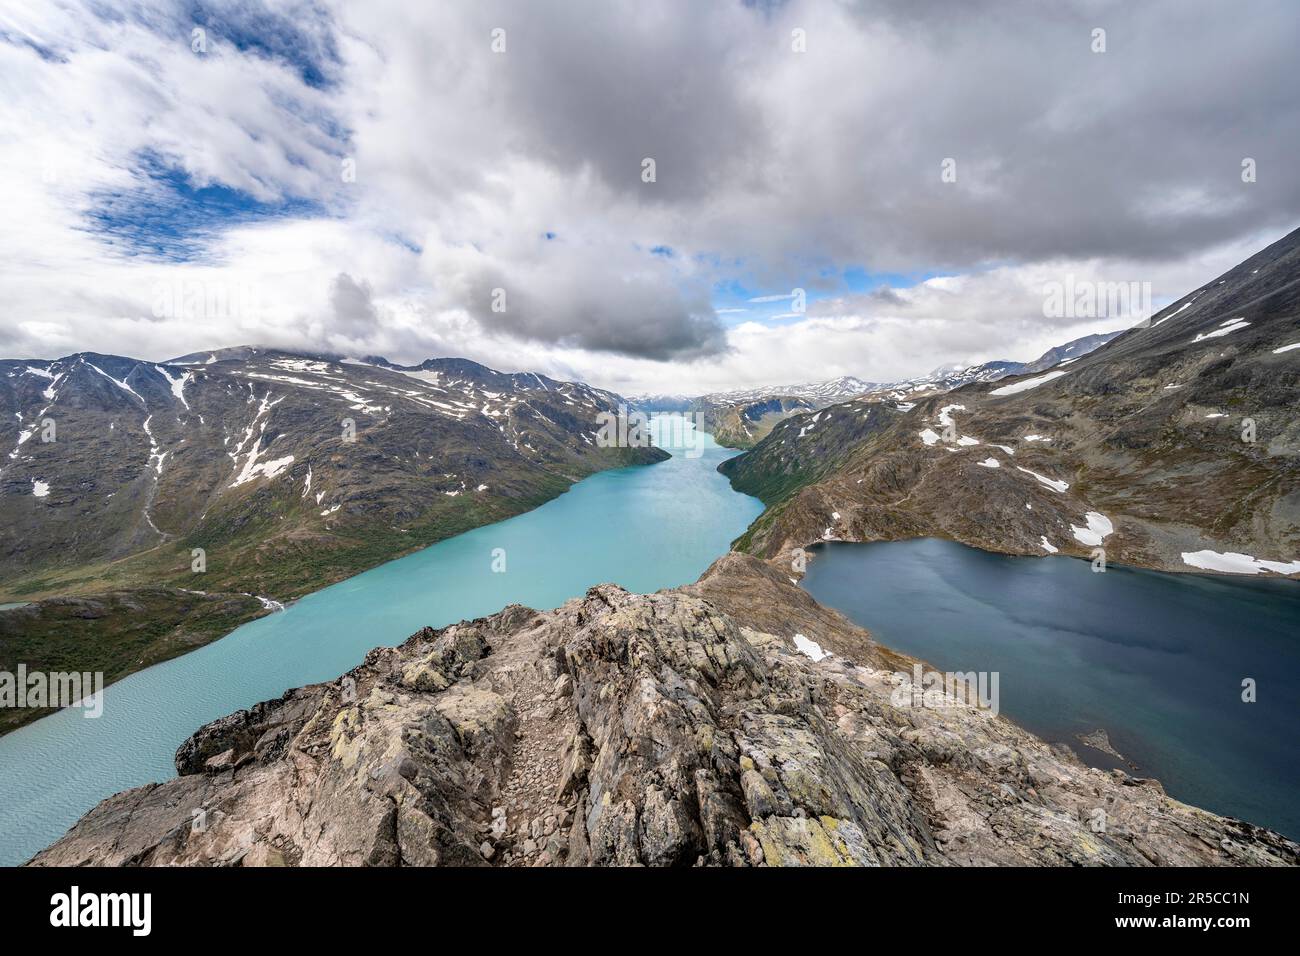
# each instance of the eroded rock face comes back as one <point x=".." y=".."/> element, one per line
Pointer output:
<point x="670" y="729"/>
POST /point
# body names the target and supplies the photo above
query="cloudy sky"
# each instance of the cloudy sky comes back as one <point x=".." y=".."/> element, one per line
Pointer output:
<point x="455" y="178"/>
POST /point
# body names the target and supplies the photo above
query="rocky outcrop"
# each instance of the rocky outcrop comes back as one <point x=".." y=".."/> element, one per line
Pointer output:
<point x="680" y="728"/>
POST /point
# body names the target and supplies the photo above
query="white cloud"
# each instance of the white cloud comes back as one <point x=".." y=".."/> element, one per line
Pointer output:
<point x="522" y="171"/>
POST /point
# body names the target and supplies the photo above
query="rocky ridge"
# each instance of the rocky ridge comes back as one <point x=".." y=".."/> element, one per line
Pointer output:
<point x="686" y="727"/>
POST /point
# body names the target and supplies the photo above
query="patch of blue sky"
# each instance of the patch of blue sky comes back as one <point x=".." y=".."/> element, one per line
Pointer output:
<point x="400" y="240"/>
<point x="328" y="134"/>
<point x="857" y="279"/>
<point x="304" y="41"/>
<point x="659" y="250"/>
<point x="744" y="300"/>
<point x="167" y="218"/>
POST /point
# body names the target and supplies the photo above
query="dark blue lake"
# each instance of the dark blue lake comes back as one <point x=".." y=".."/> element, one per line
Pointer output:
<point x="1156" y="660"/>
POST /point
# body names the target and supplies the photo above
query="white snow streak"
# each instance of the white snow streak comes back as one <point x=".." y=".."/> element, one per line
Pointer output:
<point x="1098" y="528"/>
<point x="810" y="648"/>
<point x="1026" y="385"/>
<point x="1232" y="562"/>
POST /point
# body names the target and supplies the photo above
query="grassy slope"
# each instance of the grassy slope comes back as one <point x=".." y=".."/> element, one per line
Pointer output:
<point x="115" y="634"/>
<point x="136" y="611"/>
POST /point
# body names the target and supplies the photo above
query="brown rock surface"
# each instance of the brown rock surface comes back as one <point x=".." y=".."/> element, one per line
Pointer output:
<point x="689" y="730"/>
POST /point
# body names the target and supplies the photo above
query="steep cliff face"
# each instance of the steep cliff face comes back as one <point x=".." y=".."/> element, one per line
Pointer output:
<point x="685" y="727"/>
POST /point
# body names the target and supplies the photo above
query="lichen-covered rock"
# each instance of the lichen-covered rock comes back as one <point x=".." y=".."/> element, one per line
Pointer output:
<point x="674" y="729"/>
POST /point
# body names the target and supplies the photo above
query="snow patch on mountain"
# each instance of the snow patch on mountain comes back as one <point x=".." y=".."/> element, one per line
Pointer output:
<point x="1024" y="386"/>
<point x="1232" y="562"/>
<point x="1097" y="529"/>
<point x="1225" y="328"/>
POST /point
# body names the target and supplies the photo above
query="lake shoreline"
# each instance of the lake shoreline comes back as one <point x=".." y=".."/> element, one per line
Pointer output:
<point x="648" y="528"/>
<point x="1155" y="660"/>
<point x="195" y="630"/>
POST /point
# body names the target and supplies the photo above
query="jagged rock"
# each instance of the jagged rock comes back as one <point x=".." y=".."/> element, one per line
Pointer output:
<point x="695" y="733"/>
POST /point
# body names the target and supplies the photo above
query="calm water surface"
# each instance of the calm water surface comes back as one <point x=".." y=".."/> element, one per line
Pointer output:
<point x="1157" y="660"/>
<point x="645" y="527"/>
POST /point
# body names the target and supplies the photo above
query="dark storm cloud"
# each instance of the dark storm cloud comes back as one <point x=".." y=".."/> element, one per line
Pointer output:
<point x="352" y="307"/>
<point x="638" y="316"/>
<point x="1060" y="150"/>
<point x="606" y="86"/>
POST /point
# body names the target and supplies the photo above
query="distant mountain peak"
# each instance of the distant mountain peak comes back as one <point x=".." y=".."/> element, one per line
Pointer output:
<point x="943" y="371"/>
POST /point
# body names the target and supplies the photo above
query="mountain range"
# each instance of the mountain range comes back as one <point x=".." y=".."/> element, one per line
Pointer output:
<point x="146" y="508"/>
<point x="741" y="418"/>
<point x="1173" y="446"/>
<point x="697" y="725"/>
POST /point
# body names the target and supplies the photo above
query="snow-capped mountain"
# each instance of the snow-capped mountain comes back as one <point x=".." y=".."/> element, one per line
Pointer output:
<point x="1174" y="446"/>
<point x="741" y="418"/>
<point x="822" y="393"/>
<point x="154" y="453"/>
<point x="287" y="471"/>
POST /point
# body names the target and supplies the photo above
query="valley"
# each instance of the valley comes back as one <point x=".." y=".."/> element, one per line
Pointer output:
<point x="647" y="527"/>
<point x="175" y="501"/>
<point x="758" y="433"/>
<point x="1071" y="457"/>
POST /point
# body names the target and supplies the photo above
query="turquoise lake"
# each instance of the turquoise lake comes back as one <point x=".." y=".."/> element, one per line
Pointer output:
<point x="645" y="527"/>
<point x="1156" y="660"/>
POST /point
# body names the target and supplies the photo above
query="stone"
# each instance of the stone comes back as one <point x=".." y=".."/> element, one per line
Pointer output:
<point x="694" y="735"/>
<point x="222" y="761"/>
<point x="753" y="849"/>
<point x="263" y="855"/>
